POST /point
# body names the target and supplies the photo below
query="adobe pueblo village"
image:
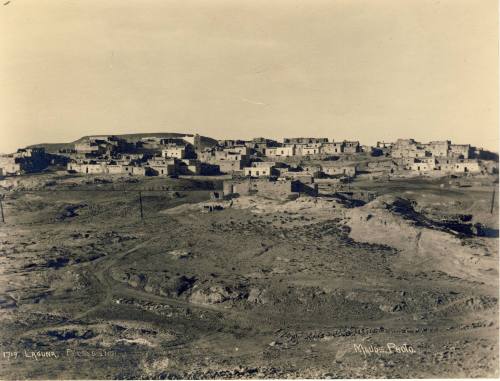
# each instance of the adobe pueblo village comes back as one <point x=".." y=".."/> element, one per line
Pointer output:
<point x="166" y="256"/>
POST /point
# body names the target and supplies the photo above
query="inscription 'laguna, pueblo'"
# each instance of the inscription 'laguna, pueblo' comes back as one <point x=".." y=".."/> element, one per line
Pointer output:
<point x="390" y="348"/>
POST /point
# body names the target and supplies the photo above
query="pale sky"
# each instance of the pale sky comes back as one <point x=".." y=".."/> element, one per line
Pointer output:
<point x="343" y="69"/>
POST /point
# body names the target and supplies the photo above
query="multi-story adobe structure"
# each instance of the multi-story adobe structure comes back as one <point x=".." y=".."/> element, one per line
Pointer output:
<point x="344" y="147"/>
<point x="93" y="167"/>
<point x="226" y="160"/>
<point x="11" y="165"/>
<point x="189" y="167"/>
<point x="384" y="145"/>
<point x="268" y="187"/>
<point x="157" y="143"/>
<point x="351" y="146"/>
<point x="438" y="148"/>
<point x="154" y="166"/>
<point x="313" y="170"/>
<point x="422" y="165"/>
<point x="162" y="166"/>
<point x="259" y="145"/>
<point x="409" y="148"/>
<point x="461" y="151"/>
<point x="284" y="151"/>
<point x="126" y="158"/>
<point x="101" y="145"/>
<point x="304" y="140"/>
<point x="336" y="169"/>
<point x="444" y="165"/>
<point x="260" y="169"/>
<point x="229" y="143"/>
<point x="304" y="149"/>
<point x="310" y="150"/>
<point x="241" y="149"/>
<point x="179" y="151"/>
<point x="332" y="148"/>
<point x="25" y="160"/>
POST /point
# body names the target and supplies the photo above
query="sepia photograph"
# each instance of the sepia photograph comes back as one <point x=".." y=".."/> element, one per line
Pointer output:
<point x="250" y="189"/>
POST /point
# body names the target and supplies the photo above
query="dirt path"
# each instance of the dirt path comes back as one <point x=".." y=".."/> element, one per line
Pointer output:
<point x="104" y="279"/>
<point x="110" y="287"/>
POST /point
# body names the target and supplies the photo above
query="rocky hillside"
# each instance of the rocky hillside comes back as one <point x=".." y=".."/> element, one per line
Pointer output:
<point x="55" y="147"/>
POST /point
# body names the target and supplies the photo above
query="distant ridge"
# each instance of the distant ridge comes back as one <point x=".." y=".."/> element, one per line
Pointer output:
<point x="55" y="147"/>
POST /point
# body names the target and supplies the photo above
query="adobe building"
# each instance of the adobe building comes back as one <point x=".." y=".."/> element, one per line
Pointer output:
<point x="302" y="176"/>
<point x="227" y="161"/>
<point x="163" y="166"/>
<point x="189" y="167"/>
<point x="332" y="148"/>
<point x="260" y="169"/>
<point x="285" y="151"/>
<point x="24" y="160"/>
<point x="240" y="149"/>
<point x="313" y="170"/>
<point x="102" y="145"/>
<point x="304" y="140"/>
<point x="351" y="147"/>
<point x="179" y="151"/>
<point x="461" y="151"/>
<point x="310" y="150"/>
<point x="439" y="166"/>
<point x="384" y="145"/>
<point x="409" y="148"/>
<point x="438" y="148"/>
<point x="344" y="147"/>
<point x="334" y="170"/>
<point x="259" y="145"/>
<point x="269" y="188"/>
<point x="228" y="143"/>
<point x="10" y="165"/>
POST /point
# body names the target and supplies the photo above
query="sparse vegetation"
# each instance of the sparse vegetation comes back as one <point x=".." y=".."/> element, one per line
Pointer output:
<point x="258" y="288"/>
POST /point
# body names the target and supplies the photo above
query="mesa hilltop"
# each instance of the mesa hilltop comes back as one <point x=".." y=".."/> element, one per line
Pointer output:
<point x="293" y="165"/>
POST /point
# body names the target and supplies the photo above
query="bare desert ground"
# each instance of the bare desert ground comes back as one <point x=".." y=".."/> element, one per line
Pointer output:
<point x="403" y="286"/>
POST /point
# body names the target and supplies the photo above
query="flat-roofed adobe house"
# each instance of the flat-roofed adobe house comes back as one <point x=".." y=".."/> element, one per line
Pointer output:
<point x="309" y="151"/>
<point x="285" y="151"/>
<point x="351" y="146"/>
<point x="305" y="140"/>
<point x="178" y="152"/>
<point x="332" y="148"/>
<point x="333" y="170"/>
